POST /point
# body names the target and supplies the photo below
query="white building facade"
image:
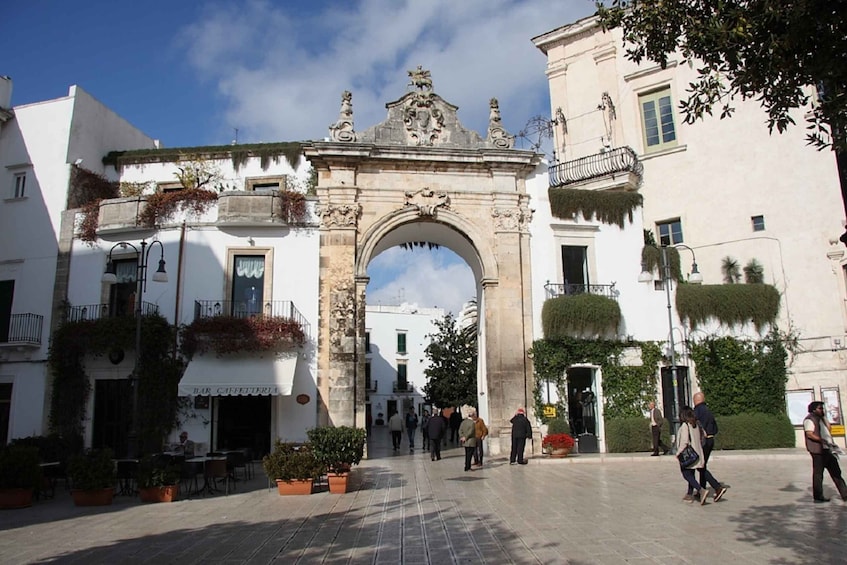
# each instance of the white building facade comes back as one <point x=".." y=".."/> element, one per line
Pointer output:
<point x="722" y="188"/>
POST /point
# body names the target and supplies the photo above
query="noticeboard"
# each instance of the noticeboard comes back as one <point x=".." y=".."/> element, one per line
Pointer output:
<point x="797" y="402"/>
<point x="831" y="398"/>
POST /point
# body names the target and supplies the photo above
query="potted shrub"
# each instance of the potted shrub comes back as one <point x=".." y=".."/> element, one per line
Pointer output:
<point x="338" y="449"/>
<point x="158" y="480"/>
<point x="20" y="475"/>
<point x="92" y="478"/>
<point x="557" y="445"/>
<point x="293" y="466"/>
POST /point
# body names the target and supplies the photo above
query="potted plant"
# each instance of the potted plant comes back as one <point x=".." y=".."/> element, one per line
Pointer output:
<point x="293" y="466"/>
<point x="92" y="478"/>
<point x="20" y="475"/>
<point x="158" y="480"/>
<point x="338" y="448"/>
<point x="557" y="445"/>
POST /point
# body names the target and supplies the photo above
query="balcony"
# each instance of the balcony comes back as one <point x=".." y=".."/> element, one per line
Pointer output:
<point x="24" y="330"/>
<point x="370" y="386"/>
<point x="555" y="290"/>
<point x="402" y="386"/>
<point x="247" y="309"/>
<point x="620" y="166"/>
<point x="100" y="311"/>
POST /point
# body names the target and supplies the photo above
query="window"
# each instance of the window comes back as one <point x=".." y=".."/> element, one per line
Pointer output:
<point x="402" y="376"/>
<point x="367" y="342"/>
<point x="574" y="268"/>
<point x="265" y="183"/>
<point x="401" y="342"/>
<point x="670" y="233"/>
<point x="758" y="223"/>
<point x="368" y="376"/>
<point x="248" y="284"/>
<point x="19" y="185"/>
<point x="122" y="293"/>
<point x="7" y="293"/>
<point x="657" y="120"/>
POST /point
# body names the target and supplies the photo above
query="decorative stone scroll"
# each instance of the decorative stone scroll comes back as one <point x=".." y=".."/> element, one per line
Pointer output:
<point x="342" y="130"/>
<point x="421" y="116"/>
<point x="338" y="215"/>
<point x="507" y="219"/>
<point x="427" y="201"/>
<point x="497" y="135"/>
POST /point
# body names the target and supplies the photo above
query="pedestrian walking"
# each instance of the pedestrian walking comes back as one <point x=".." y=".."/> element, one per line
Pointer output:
<point x="521" y="431"/>
<point x="689" y="435"/>
<point x="467" y="438"/>
<point x="820" y="447"/>
<point x="395" y="426"/>
<point x="657" y="420"/>
<point x="436" y="428"/>
<point x="425" y="430"/>
<point x="481" y="434"/>
<point x="411" y="426"/>
<point x="455" y="422"/>
<point x="709" y="426"/>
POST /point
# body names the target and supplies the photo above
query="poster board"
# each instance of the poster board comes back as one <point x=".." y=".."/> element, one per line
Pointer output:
<point x="831" y="398"/>
<point x="797" y="403"/>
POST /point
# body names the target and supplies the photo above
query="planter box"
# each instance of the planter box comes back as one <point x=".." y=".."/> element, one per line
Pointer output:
<point x="159" y="494"/>
<point x="338" y="483"/>
<point x="15" y="498"/>
<point x="98" y="497"/>
<point x="292" y="487"/>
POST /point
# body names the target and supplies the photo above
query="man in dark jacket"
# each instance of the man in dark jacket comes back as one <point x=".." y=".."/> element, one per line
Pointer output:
<point x="455" y="422"/>
<point x="435" y="428"/>
<point x="710" y="428"/>
<point x="521" y="430"/>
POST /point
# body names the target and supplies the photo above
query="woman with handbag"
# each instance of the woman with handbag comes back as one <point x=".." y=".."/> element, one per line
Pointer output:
<point x="689" y="450"/>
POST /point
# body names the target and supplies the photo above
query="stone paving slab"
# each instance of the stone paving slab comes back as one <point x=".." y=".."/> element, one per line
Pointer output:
<point x="406" y="509"/>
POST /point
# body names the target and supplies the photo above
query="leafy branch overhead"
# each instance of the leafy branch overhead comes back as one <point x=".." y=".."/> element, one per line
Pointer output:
<point x="779" y="52"/>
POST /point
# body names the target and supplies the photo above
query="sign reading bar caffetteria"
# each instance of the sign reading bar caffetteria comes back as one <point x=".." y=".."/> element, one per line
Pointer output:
<point x="549" y="410"/>
<point x="235" y="391"/>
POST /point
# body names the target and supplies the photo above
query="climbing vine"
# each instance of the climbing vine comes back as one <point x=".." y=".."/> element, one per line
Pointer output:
<point x="729" y="304"/>
<point x="580" y="315"/>
<point x="607" y="206"/>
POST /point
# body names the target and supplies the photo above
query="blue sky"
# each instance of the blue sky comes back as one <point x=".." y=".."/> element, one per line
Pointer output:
<point x="191" y="72"/>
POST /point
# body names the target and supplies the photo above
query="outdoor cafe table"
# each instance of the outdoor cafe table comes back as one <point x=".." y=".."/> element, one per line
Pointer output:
<point x="198" y="465"/>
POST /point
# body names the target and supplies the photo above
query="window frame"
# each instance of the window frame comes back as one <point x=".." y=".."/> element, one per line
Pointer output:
<point x="655" y="97"/>
<point x="669" y="240"/>
<point x="266" y="252"/>
<point x="402" y="376"/>
<point x="402" y="349"/>
<point x="19" y="184"/>
<point x="261" y="183"/>
<point x="758" y="222"/>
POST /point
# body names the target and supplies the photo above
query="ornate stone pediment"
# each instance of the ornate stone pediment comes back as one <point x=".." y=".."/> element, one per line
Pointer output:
<point x="427" y="201"/>
<point x="338" y="215"/>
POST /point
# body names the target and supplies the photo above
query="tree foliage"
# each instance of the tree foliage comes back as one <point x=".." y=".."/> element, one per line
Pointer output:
<point x="770" y="50"/>
<point x="452" y="355"/>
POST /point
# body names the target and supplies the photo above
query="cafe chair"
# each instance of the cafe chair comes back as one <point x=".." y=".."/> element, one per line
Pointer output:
<point x="216" y="469"/>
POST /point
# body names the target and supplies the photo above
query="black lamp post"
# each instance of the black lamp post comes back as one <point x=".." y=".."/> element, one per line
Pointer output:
<point x="694" y="278"/>
<point x="109" y="277"/>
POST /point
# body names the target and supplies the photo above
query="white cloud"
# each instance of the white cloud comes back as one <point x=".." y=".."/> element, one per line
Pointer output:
<point x="281" y="74"/>
<point x="419" y="276"/>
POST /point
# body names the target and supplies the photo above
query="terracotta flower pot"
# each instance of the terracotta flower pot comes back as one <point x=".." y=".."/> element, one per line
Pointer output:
<point x="159" y="494"/>
<point x="338" y="482"/>
<point x="560" y="452"/>
<point x="15" y="498"/>
<point x="294" y="486"/>
<point x="96" y="497"/>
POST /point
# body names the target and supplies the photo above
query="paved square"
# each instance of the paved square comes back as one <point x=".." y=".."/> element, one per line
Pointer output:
<point x="406" y="509"/>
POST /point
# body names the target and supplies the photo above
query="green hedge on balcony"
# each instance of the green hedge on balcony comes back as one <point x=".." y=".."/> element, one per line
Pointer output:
<point x="580" y="315"/>
<point x="729" y="304"/>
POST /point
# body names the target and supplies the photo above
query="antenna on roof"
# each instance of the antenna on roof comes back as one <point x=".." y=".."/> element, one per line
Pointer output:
<point x="235" y="141"/>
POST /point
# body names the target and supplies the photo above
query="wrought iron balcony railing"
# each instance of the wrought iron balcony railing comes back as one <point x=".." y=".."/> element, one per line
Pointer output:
<point x="554" y="290"/>
<point x="24" y="329"/>
<point x="402" y="386"/>
<point x="248" y="309"/>
<point x="98" y="311"/>
<point x="370" y="386"/>
<point x="618" y="160"/>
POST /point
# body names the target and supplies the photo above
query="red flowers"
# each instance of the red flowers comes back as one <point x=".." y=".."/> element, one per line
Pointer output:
<point x="557" y="441"/>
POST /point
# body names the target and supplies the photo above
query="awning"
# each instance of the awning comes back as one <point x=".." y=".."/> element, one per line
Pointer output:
<point x="238" y="376"/>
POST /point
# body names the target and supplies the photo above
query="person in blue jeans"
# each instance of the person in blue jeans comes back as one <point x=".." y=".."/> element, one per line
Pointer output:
<point x="411" y="426"/>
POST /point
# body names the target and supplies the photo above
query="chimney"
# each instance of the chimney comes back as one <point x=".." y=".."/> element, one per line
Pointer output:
<point x="5" y="93"/>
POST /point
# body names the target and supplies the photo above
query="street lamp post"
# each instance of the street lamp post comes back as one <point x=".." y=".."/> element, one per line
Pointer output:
<point x="110" y="277"/>
<point x="694" y="278"/>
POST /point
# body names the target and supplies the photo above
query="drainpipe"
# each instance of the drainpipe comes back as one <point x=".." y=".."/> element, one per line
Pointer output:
<point x="178" y="282"/>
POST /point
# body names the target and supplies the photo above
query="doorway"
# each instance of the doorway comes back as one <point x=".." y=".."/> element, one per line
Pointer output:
<point x="582" y="403"/>
<point x="245" y="422"/>
<point x="112" y="415"/>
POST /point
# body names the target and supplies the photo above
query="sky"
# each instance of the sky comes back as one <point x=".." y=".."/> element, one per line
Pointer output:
<point x="191" y="72"/>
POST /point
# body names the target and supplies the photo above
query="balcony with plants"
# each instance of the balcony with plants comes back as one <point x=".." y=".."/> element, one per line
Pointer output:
<point x="610" y="169"/>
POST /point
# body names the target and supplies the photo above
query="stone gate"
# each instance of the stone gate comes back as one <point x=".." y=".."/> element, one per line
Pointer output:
<point x="420" y="176"/>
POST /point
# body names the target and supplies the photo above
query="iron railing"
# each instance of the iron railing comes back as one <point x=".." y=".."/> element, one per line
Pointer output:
<point x="248" y="309"/>
<point x="99" y="311"/>
<point x="403" y="387"/>
<point x="24" y="329"/>
<point x="618" y="160"/>
<point x="554" y="290"/>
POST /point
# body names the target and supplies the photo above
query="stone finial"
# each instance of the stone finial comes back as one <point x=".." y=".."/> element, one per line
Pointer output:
<point x="420" y="79"/>
<point x="497" y="135"/>
<point x="342" y="130"/>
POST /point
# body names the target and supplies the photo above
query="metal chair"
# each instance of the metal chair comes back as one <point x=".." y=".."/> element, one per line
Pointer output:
<point x="217" y="469"/>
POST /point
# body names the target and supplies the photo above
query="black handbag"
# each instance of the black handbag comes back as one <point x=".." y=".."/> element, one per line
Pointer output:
<point x="687" y="457"/>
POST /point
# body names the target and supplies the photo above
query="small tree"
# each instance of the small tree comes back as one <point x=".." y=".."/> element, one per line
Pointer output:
<point x="730" y="269"/>
<point x="452" y="355"/>
<point x="754" y="272"/>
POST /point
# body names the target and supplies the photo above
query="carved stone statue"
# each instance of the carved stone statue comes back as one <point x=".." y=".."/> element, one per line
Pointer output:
<point x="420" y="79"/>
<point x="342" y="130"/>
<point x="497" y="135"/>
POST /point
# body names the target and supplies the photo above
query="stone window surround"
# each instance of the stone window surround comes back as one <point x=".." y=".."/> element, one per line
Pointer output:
<point x="266" y="252"/>
<point x="251" y="182"/>
<point x="575" y="236"/>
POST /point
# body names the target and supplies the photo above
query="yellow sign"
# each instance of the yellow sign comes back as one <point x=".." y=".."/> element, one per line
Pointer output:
<point x="837" y="430"/>
<point x="550" y="411"/>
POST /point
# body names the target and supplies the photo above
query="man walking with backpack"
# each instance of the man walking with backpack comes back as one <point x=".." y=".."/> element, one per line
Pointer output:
<point x="710" y="428"/>
<point x="411" y="426"/>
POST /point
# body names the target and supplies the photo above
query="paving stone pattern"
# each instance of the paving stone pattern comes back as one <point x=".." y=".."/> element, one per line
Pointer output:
<point x="588" y="509"/>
